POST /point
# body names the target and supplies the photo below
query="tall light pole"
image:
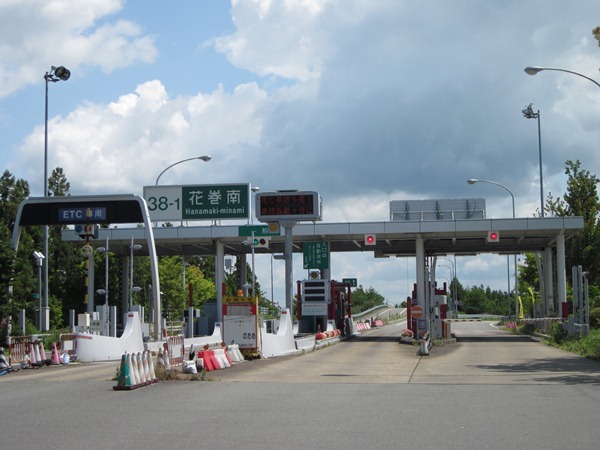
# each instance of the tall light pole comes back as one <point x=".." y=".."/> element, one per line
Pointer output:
<point x="454" y="283"/>
<point x="132" y="247"/>
<point x="105" y="251"/>
<point x="528" y="113"/>
<point x="204" y="158"/>
<point x="254" y="189"/>
<point x="475" y="180"/>
<point x="39" y="258"/>
<point x="52" y="76"/>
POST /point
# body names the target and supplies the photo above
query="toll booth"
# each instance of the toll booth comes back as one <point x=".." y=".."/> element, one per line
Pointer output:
<point x="438" y="308"/>
<point x="321" y="301"/>
<point x="240" y="323"/>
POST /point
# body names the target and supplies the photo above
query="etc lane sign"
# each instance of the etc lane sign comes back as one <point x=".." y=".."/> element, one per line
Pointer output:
<point x="199" y="202"/>
<point x="78" y="214"/>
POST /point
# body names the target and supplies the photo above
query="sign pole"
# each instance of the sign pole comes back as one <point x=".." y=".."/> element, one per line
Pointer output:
<point x="253" y="275"/>
<point x="289" y="266"/>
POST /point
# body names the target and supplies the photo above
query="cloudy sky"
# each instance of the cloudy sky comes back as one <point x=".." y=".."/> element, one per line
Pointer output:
<point x="364" y="101"/>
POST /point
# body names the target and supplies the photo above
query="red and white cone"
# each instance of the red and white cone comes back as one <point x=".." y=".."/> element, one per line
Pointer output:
<point x="54" y="359"/>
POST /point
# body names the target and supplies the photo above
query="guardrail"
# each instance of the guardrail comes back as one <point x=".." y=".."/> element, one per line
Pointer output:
<point x="371" y="312"/>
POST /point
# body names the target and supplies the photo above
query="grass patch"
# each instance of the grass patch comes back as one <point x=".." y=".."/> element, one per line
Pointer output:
<point x="586" y="346"/>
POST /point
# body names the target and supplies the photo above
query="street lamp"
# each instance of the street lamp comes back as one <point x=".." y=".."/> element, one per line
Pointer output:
<point x="55" y="74"/>
<point x="475" y="180"/>
<point x="533" y="70"/>
<point x="105" y="290"/>
<point x="254" y="189"/>
<point x="132" y="247"/>
<point x="454" y="284"/>
<point x="528" y="113"/>
<point x="39" y="258"/>
<point x="204" y="158"/>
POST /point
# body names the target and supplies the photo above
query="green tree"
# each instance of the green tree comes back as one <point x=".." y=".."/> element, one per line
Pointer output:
<point x="66" y="265"/>
<point x="364" y="299"/>
<point x="17" y="279"/>
<point x="581" y="199"/>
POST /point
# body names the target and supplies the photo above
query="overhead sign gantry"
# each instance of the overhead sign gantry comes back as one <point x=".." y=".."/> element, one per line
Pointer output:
<point x="85" y="209"/>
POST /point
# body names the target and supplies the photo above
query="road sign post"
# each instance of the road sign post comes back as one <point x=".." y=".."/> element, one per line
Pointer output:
<point x="316" y="255"/>
<point x="416" y="311"/>
<point x="352" y="282"/>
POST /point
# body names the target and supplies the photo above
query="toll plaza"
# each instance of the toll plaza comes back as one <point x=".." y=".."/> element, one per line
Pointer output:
<point x="424" y="230"/>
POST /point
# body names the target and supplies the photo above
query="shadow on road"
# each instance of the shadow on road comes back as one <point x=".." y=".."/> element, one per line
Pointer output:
<point x="374" y="339"/>
<point x="569" y="370"/>
<point x="507" y="338"/>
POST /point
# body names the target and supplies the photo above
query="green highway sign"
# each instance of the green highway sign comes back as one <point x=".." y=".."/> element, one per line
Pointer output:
<point x="353" y="282"/>
<point x="210" y="202"/>
<point x="200" y="202"/>
<point x="259" y="230"/>
<point x="316" y="255"/>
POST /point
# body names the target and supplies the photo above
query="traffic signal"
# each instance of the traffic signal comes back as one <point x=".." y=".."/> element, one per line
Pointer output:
<point x="370" y="239"/>
<point x="261" y="241"/>
<point x="87" y="230"/>
<point x="493" y="236"/>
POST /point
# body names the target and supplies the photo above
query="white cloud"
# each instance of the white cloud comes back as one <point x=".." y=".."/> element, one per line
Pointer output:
<point x="122" y="146"/>
<point x="279" y="38"/>
<point x="37" y="34"/>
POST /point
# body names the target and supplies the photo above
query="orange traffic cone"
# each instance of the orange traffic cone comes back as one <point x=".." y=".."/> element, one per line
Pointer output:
<point x="54" y="359"/>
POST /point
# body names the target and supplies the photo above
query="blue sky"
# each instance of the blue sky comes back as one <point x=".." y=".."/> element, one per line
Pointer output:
<point x="363" y="101"/>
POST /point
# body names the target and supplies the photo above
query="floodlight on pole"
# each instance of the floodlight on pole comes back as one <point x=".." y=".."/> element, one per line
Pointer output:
<point x="529" y="113"/>
<point x="55" y="74"/>
<point x="204" y="158"/>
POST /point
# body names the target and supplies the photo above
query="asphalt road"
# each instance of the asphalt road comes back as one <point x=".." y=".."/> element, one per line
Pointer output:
<point x="489" y="390"/>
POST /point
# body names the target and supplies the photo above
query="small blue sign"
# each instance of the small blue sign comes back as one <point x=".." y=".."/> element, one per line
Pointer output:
<point x="78" y="215"/>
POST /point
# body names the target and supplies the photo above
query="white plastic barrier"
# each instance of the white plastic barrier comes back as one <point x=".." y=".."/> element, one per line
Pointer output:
<point x="93" y="347"/>
<point x="234" y="353"/>
<point x="282" y="343"/>
<point x="214" y="340"/>
<point x="222" y="358"/>
<point x="306" y="343"/>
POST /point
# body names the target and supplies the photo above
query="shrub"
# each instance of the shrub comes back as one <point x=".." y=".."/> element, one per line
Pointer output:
<point x="525" y="328"/>
<point x="557" y="333"/>
<point x="595" y="317"/>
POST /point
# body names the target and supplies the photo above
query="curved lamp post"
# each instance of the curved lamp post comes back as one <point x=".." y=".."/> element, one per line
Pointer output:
<point x="454" y="286"/>
<point x="534" y="70"/>
<point x="204" y="158"/>
<point x="55" y="74"/>
<point x="132" y="289"/>
<point x="475" y="180"/>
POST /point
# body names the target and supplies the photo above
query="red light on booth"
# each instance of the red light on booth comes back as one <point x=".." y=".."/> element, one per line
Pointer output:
<point x="370" y="239"/>
<point x="493" y="236"/>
